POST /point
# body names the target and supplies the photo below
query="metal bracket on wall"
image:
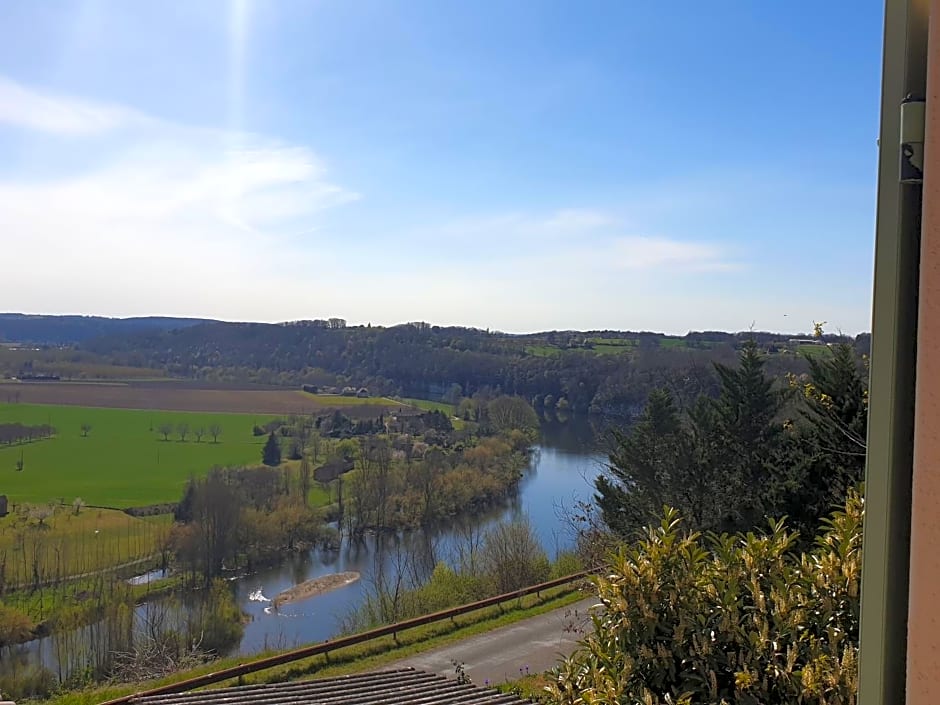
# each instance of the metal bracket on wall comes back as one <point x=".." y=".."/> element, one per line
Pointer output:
<point x="912" y="140"/>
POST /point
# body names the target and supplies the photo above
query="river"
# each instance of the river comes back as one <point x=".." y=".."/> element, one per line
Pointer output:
<point x="560" y="472"/>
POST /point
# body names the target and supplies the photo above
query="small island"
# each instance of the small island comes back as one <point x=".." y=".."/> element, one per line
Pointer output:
<point x="316" y="586"/>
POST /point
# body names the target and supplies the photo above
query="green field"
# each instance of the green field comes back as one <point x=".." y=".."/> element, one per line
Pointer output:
<point x="810" y="350"/>
<point x="430" y="405"/>
<point x="124" y="461"/>
<point x="542" y="350"/>
<point x="340" y="400"/>
<point x="612" y="346"/>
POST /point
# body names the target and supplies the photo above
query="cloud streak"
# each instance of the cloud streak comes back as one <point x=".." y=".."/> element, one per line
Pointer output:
<point x="165" y="217"/>
<point x="41" y="111"/>
<point x="174" y="219"/>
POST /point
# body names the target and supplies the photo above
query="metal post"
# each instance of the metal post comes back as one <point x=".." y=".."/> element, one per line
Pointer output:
<point x="885" y="582"/>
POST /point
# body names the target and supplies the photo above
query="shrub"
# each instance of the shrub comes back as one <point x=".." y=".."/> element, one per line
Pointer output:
<point x="26" y="682"/>
<point x="512" y="557"/>
<point x="738" y="620"/>
<point x="216" y="625"/>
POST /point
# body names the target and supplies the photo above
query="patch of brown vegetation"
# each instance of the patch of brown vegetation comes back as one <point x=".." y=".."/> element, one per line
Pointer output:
<point x="317" y="586"/>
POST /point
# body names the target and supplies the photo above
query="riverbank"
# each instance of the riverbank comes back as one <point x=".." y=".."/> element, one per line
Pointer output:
<point x="317" y="586"/>
<point x="362" y="657"/>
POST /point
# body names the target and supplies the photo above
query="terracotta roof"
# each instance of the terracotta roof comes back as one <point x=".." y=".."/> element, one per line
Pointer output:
<point x="400" y="687"/>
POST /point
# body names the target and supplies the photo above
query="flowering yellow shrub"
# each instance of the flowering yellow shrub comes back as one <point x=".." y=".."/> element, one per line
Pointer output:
<point x="731" y="620"/>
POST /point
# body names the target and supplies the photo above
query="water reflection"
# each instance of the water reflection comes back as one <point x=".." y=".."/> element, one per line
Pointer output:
<point x="560" y="472"/>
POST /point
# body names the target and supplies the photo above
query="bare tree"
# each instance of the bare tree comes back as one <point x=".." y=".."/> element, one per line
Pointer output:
<point x="315" y="442"/>
<point x="512" y="556"/>
<point x="215" y="430"/>
<point x="199" y="432"/>
<point x="86" y="429"/>
<point x="216" y="513"/>
<point x="305" y="474"/>
<point x="166" y="429"/>
<point x="182" y="429"/>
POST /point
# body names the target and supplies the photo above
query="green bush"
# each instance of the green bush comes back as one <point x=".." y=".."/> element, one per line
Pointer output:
<point x="730" y="620"/>
<point x="566" y="563"/>
<point x="26" y="682"/>
<point x="217" y="625"/>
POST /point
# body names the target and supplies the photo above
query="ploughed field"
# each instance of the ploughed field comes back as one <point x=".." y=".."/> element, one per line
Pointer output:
<point x="184" y="396"/>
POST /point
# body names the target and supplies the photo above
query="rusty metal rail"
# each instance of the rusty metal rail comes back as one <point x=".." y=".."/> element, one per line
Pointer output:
<point x="327" y="646"/>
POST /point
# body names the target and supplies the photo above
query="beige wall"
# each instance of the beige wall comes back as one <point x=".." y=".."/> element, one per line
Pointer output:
<point x="923" y="648"/>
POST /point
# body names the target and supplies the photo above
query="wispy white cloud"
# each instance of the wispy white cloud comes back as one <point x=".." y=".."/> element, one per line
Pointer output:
<point x="43" y="111"/>
<point x="578" y="220"/>
<point x="656" y="253"/>
<point x="591" y="240"/>
<point x="173" y="219"/>
<point x="164" y="217"/>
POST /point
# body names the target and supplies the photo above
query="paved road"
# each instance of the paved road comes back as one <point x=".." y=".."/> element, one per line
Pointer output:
<point x="502" y="654"/>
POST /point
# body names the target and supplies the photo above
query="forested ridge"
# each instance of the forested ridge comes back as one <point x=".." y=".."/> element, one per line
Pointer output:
<point x="598" y="371"/>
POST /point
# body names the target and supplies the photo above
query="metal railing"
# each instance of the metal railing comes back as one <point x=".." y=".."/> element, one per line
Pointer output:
<point x="326" y="647"/>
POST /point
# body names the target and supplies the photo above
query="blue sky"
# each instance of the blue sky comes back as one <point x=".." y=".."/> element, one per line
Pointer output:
<point x="509" y="165"/>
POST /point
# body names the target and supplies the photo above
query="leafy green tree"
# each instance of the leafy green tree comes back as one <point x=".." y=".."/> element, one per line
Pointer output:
<point x="506" y="413"/>
<point x="271" y="453"/>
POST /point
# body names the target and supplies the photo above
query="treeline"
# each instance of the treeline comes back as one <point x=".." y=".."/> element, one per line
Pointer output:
<point x="242" y="518"/>
<point x="13" y="433"/>
<point x="759" y="448"/>
<point x="437" y="362"/>
<point x="404" y="484"/>
<point x="65" y="330"/>
<point x="720" y="599"/>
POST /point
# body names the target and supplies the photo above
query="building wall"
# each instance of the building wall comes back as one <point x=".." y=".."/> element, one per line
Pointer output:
<point x="923" y="647"/>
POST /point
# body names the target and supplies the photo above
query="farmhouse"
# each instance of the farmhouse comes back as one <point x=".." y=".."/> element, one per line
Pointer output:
<point x="332" y="469"/>
<point x="406" y="419"/>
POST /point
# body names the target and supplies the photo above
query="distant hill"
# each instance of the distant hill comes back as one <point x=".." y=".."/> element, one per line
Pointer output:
<point x="600" y="371"/>
<point x="66" y="330"/>
<point x="581" y="371"/>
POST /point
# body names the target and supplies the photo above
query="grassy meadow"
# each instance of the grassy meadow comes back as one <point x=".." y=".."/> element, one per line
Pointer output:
<point x="427" y="405"/>
<point x="124" y="461"/>
<point x="338" y="400"/>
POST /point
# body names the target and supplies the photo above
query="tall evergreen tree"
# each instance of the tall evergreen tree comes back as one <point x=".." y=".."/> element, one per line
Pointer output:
<point x="271" y="453"/>
<point x="747" y="427"/>
<point x="642" y="466"/>
<point x="716" y="464"/>
<point x="825" y="452"/>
